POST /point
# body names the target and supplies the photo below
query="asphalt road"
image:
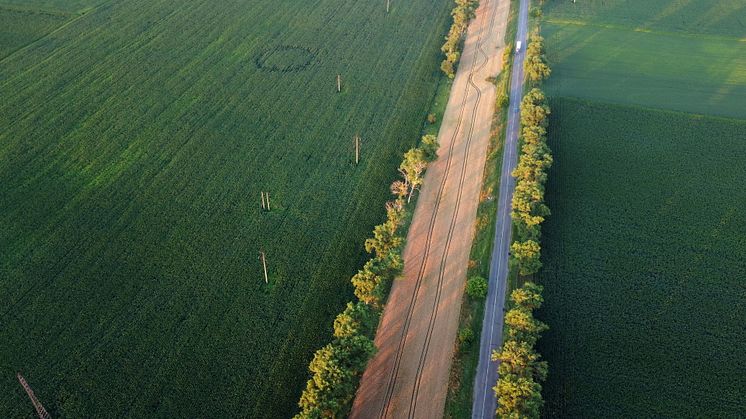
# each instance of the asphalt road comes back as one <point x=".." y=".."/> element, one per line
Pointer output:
<point x="484" y="403"/>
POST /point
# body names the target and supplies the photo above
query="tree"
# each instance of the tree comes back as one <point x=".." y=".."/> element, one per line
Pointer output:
<point x="522" y="326"/>
<point x="521" y="359"/>
<point x="517" y="397"/>
<point x="399" y="188"/>
<point x="536" y="65"/>
<point x="527" y="255"/>
<point x="411" y="168"/>
<point x="429" y="146"/>
<point x="356" y="319"/>
<point x="476" y="287"/>
<point x="335" y="370"/>
<point x="534" y="110"/>
<point x="528" y="296"/>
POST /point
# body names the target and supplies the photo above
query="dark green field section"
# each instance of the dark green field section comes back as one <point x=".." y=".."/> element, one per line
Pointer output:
<point x="715" y="17"/>
<point x="21" y="27"/>
<point x="134" y="144"/>
<point x="53" y="6"/>
<point x="692" y="73"/>
<point x="644" y="264"/>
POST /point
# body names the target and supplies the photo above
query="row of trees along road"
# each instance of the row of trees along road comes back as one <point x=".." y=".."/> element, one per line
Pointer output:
<point x="462" y="13"/>
<point x="518" y="389"/>
<point x="336" y="368"/>
<point x="521" y="372"/>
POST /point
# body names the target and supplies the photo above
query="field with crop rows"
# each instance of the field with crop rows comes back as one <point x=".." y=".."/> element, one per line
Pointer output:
<point x="134" y="143"/>
<point x="615" y="54"/>
<point x="644" y="251"/>
<point x="644" y="263"/>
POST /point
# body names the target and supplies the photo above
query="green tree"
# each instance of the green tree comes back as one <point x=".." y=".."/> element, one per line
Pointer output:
<point x="520" y="358"/>
<point x="522" y="326"/>
<point x="518" y="397"/>
<point x="356" y="319"/>
<point x="411" y="168"/>
<point x="476" y="287"/>
<point x="527" y="255"/>
<point x="335" y="370"/>
<point x="534" y="110"/>
<point x="429" y="146"/>
<point x="528" y="296"/>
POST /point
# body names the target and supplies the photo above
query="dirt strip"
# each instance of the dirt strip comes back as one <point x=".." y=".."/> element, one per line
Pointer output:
<point x="408" y="377"/>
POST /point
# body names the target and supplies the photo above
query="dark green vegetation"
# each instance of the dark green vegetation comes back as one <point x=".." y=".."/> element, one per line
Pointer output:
<point x="644" y="263"/>
<point x="134" y="143"/>
<point x="650" y="53"/>
<point x="643" y="253"/>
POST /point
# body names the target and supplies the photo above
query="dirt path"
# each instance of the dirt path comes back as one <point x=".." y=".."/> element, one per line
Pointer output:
<point x="408" y="377"/>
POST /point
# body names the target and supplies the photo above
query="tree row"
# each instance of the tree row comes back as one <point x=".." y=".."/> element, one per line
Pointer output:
<point x="521" y="371"/>
<point x="462" y="13"/>
<point x="529" y="209"/>
<point x="337" y="367"/>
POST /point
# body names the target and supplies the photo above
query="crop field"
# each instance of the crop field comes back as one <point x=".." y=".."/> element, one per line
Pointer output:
<point x="704" y="75"/>
<point x="644" y="263"/>
<point x="644" y="250"/>
<point x="623" y="52"/>
<point x="713" y="17"/>
<point x="135" y="140"/>
<point x="21" y="27"/>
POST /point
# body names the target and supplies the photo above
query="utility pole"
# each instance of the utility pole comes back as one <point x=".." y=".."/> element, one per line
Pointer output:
<point x="357" y="149"/>
<point x="269" y="208"/>
<point x="388" y="3"/>
<point x="40" y="411"/>
<point x="264" y="264"/>
<point x="264" y="206"/>
<point x="339" y="83"/>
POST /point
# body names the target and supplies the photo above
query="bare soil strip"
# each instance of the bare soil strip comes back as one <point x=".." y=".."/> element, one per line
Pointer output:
<point x="408" y="377"/>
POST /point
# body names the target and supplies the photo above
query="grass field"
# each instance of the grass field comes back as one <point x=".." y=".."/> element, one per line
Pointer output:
<point x="644" y="264"/>
<point x="134" y="143"/>
<point x="715" y="17"/>
<point x="664" y="70"/>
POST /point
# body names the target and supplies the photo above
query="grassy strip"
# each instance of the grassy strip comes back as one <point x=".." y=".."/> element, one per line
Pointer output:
<point x="466" y="353"/>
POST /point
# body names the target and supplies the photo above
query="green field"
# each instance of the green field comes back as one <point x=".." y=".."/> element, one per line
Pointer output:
<point x="681" y="55"/>
<point x="715" y="17"/>
<point x="644" y="251"/>
<point x="19" y="28"/>
<point x="691" y="73"/>
<point x="134" y="143"/>
<point x="644" y="264"/>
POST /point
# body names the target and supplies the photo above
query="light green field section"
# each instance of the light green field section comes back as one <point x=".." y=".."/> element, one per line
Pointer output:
<point x="684" y="72"/>
<point x="721" y="17"/>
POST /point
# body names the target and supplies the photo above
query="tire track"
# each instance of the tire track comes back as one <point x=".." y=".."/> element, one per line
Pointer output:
<point x="454" y="218"/>
<point x="449" y="162"/>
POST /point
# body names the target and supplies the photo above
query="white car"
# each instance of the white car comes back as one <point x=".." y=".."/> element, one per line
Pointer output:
<point x="518" y="46"/>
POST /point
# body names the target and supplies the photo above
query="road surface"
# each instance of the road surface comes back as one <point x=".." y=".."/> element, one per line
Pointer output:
<point x="408" y="377"/>
<point x="484" y="404"/>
